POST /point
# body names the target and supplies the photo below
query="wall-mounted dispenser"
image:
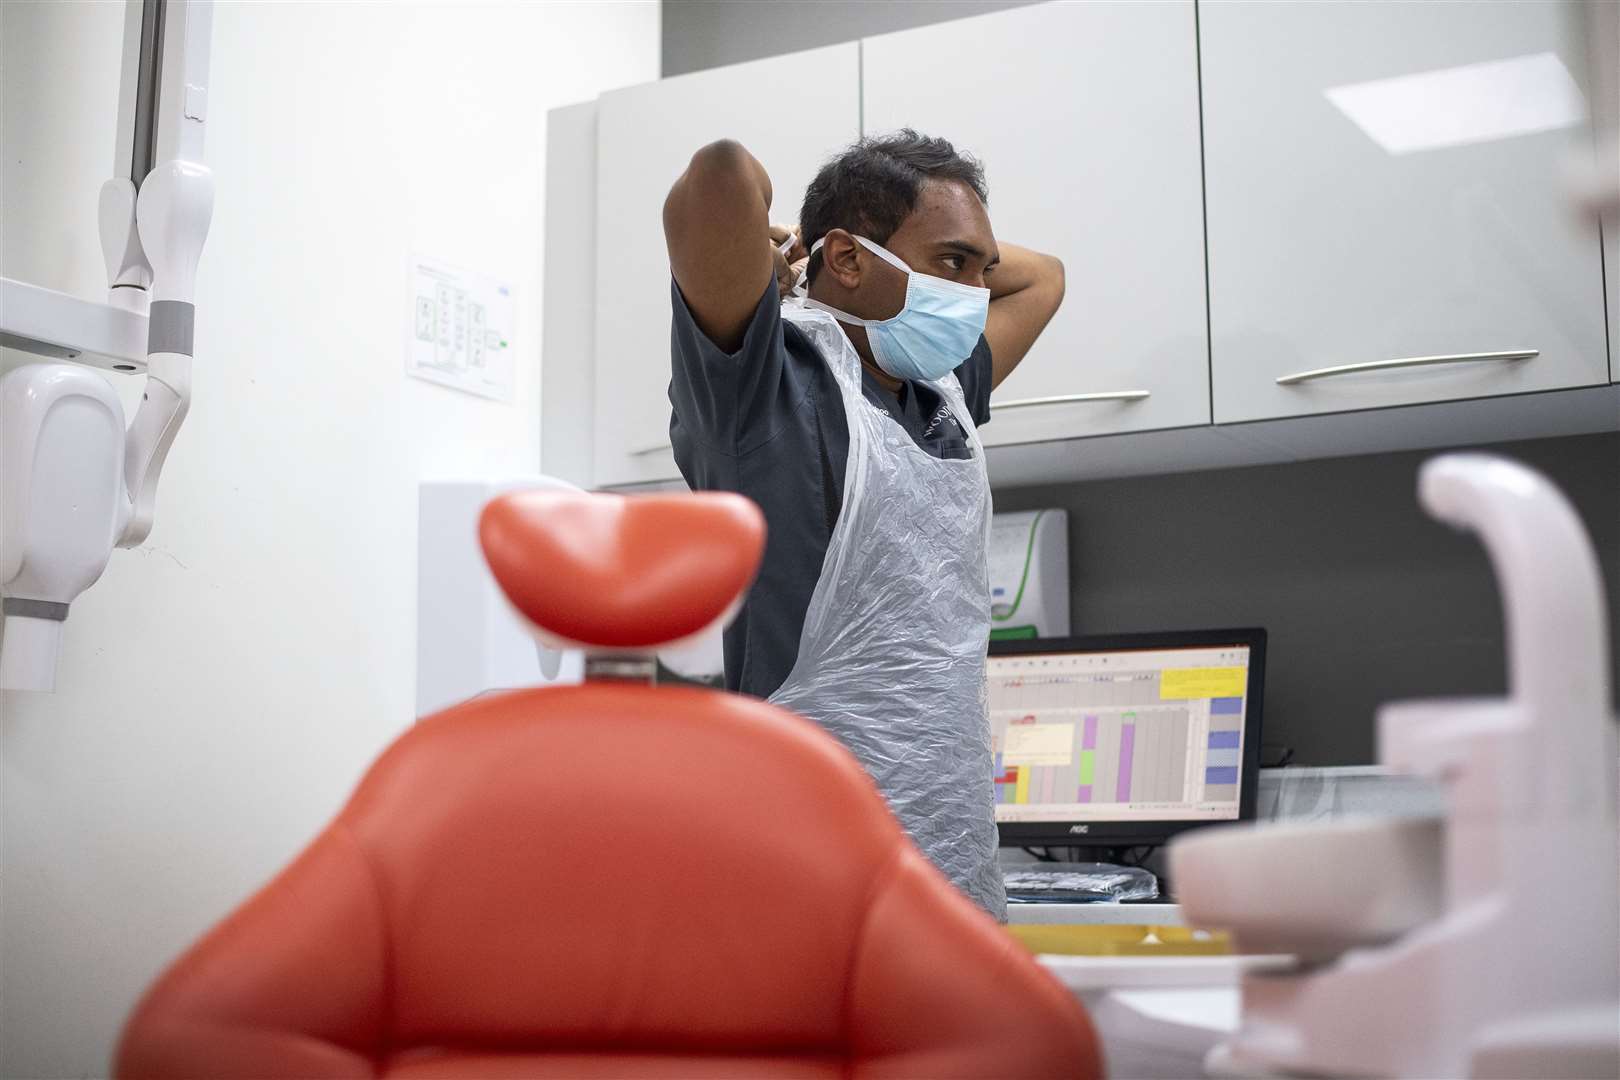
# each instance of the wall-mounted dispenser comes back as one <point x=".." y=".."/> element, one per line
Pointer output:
<point x="1029" y="575"/>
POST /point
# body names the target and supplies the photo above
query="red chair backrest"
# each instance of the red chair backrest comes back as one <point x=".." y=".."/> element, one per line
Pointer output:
<point x="612" y="880"/>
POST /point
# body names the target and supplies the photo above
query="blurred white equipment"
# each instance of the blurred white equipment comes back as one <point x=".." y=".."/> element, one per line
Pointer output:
<point x="1029" y="574"/>
<point x="468" y="639"/>
<point x="703" y="658"/>
<point x="1483" y="944"/>
<point x="76" y="484"/>
<point x="61" y="493"/>
<point x="1297" y="793"/>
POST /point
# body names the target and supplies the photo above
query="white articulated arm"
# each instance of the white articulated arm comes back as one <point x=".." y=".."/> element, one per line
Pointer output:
<point x="175" y="206"/>
<point x="77" y="482"/>
<point x="128" y="274"/>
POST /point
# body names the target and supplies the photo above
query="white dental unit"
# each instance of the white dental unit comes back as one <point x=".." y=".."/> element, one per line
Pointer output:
<point x="74" y="481"/>
<point x="1482" y="943"/>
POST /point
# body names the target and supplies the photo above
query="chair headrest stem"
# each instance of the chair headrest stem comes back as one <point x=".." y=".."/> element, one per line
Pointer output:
<point x="636" y="669"/>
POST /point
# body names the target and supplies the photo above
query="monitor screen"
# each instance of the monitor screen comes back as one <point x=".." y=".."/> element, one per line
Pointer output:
<point x="1113" y="735"/>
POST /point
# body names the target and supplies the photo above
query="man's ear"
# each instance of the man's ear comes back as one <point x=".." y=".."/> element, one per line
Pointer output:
<point x="840" y="259"/>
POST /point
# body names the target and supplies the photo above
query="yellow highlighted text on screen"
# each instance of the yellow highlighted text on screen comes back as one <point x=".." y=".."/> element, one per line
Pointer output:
<point x="1203" y="682"/>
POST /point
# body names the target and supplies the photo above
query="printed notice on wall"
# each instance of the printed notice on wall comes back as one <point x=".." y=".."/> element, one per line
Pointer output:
<point x="460" y="329"/>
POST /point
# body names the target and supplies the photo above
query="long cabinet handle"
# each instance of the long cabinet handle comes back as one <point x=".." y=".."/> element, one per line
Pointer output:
<point x="1405" y="362"/>
<point x="1065" y="399"/>
<point x="1021" y="403"/>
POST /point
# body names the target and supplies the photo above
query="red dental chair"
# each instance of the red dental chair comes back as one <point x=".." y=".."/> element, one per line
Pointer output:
<point x="611" y="880"/>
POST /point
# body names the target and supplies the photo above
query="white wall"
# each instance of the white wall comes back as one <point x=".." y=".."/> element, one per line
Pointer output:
<point x="223" y="687"/>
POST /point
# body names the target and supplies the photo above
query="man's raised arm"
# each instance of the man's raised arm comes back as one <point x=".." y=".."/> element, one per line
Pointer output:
<point x="716" y="223"/>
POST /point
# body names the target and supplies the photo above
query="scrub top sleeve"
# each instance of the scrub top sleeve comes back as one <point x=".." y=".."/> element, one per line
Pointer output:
<point x="975" y="374"/>
<point x="720" y="397"/>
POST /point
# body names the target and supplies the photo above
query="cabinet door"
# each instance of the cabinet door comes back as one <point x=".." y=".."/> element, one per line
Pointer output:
<point x="1386" y="182"/>
<point x="566" y="374"/>
<point x="645" y="137"/>
<point x="1611" y="263"/>
<point x="1086" y="118"/>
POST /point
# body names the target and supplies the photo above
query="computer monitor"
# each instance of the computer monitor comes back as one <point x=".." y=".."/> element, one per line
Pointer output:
<point x="1124" y="740"/>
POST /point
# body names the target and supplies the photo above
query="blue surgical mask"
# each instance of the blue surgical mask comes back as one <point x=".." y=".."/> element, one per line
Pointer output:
<point x="934" y="332"/>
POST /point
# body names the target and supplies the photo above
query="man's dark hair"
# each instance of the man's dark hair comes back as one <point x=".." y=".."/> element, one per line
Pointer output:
<point x="870" y="188"/>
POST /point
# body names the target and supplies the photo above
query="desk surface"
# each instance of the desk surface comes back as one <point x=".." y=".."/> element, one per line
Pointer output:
<point x="1094" y="914"/>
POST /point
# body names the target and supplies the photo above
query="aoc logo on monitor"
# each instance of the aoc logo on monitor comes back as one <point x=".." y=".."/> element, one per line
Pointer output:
<point x="1080" y="830"/>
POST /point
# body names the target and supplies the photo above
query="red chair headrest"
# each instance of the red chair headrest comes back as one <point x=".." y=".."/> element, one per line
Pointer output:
<point x="622" y="572"/>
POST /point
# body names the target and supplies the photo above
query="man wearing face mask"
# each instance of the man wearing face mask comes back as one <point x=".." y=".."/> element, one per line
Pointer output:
<point x="845" y="401"/>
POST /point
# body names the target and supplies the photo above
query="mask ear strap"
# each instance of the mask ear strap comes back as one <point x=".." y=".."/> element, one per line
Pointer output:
<point x="885" y="254"/>
<point x="841" y="316"/>
<point x="877" y="249"/>
<point x="844" y="316"/>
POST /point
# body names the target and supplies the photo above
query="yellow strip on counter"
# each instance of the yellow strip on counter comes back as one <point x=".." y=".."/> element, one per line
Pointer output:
<point x="1119" y="939"/>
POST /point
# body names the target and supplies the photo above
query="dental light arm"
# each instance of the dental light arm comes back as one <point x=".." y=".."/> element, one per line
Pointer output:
<point x="175" y="206"/>
<point x="77" y="483"/>
<point x="129" y="275"/>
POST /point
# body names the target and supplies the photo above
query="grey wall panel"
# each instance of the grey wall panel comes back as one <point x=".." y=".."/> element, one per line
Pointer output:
<point x="702" y="34"/>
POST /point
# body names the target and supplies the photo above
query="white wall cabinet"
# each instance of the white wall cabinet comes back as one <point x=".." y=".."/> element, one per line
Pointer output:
<point x="1611" y="266"/>
<point x="645" y="137"/>
<point x="1386" y="181"/>
<point x="1383" y="181"/>
<point x="567" y="351"/>
<point x="1086" y="118"/>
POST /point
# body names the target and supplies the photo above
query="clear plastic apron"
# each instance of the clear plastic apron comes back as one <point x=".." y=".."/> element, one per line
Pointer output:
<point x="891" y="660"/>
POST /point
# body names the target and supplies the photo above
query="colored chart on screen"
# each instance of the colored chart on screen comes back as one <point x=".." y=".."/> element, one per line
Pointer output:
<point x="1145" y="735"/>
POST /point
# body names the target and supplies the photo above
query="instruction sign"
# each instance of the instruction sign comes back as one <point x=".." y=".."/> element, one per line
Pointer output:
<point x="459" y="332"/>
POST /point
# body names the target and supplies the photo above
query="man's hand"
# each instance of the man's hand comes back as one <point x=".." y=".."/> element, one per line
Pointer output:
<point x="788" y="259"/>
<point x="1026" y="289"/>
<point x="713" y="220"/>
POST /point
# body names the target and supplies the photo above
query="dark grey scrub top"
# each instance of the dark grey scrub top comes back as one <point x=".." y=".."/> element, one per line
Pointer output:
<point x="768" y="422"/>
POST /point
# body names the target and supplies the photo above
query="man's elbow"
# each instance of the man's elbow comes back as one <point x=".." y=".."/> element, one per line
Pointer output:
<point x="723" y="166"/>
<point x="1052" y="270"/>
<point x="721" y="155"/>
<point x="718" y="174"/>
